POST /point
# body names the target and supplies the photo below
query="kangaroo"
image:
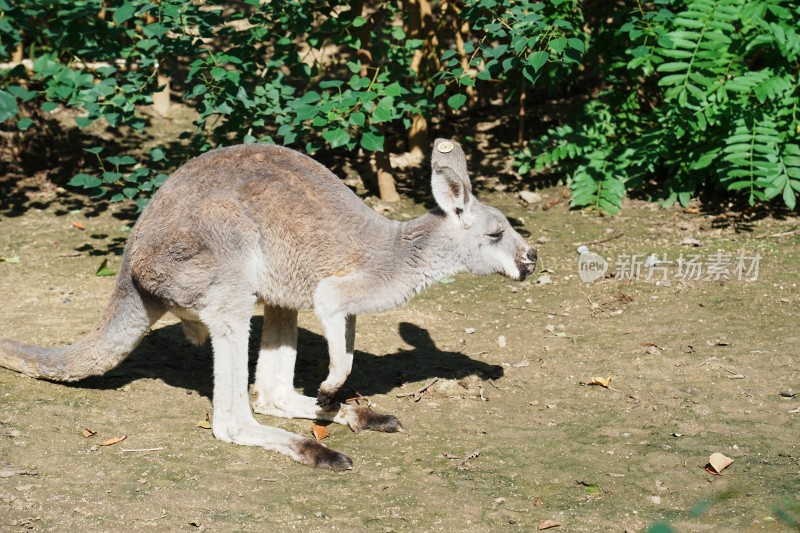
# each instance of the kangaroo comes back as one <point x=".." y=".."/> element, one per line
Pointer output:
<point x="262" y="223"/>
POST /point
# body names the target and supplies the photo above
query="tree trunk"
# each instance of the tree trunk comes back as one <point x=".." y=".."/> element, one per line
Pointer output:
<point x="18" y="54"/>
<point x="521" y="130"/>
<point x="161" y="101"/>
<point x="386" y="186"/>
<point x="460" y="30"/>
<point x="418" y="140"/>
<point x="419" y="25"/>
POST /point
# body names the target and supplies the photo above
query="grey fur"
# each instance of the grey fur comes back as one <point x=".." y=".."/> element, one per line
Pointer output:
<point x="264" y="223"/>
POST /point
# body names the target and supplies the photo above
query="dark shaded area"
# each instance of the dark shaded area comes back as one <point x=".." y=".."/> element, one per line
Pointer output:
<point x="37" y="164"/>
<point x="166" y="354"/>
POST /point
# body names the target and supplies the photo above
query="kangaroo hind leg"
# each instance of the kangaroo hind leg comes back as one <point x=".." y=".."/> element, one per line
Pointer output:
<point x="233" y="420"/>
<point x="196" y="332"/>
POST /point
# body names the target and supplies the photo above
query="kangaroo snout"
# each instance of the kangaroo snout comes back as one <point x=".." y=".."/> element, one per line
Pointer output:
<point x="526" y="263"/>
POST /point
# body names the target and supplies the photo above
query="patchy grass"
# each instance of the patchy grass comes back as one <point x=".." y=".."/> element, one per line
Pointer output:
<point x="705" y="360"/>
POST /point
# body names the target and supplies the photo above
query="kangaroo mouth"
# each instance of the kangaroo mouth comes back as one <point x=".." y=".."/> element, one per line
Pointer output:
<point x="525" y="268"/>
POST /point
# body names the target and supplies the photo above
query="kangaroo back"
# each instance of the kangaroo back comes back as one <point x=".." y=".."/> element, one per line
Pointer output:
<point x="122" y="325"/>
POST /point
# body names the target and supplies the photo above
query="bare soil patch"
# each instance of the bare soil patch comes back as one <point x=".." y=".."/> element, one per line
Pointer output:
<point x="510" y="434"/>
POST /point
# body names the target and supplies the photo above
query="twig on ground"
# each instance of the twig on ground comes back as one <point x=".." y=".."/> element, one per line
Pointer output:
<point x="163" y="515"/>
<point x="132" y="450"/>
<point x="600" y="241"/>
<point x="537" y="311"/>
<point x="789" y="233"/>
<point x="417" y="394"/>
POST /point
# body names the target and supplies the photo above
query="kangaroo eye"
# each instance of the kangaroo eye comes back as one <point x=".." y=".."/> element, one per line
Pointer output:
<point x="495" y="235"/>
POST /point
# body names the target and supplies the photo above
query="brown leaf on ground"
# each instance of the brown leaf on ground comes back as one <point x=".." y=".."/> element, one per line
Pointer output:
<point x="537" y="501"/>
<point x="113" y="441"/>
<point x="320" y="432"/>
<point x="547" y="524"/>
<point x="717" y="463"/>
<point x="601" y="382"/>
<point x="549" y="205"/>
<point x="88" y="433"/>
<point x="78" y="225"/>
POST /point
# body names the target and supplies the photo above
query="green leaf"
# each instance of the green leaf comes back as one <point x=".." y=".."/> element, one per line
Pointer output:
<point x="384" y="111"/>
<point x="124" y="12"/>
<point x="372" y="141"/>
<point x="358" y="119"/>
<point x="24" y="123"/>
<point x="83" y="122"/>
<point x="124" y="160"/>
<point x="789" y="197"/>
<point x="576" y="44"/>
<point x="439" y="90"/>
<point x="393" y="90"/>
<point x="457" y="100"/>
<point x="336" y="137"/>
<point x="8" y="106"/>
<point x="103" y="270"/>
<point x="558" y="44"/>
<point x="538" y="59"/>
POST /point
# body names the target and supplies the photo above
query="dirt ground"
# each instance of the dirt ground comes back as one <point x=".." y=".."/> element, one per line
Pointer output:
<point x="511" y="434"/>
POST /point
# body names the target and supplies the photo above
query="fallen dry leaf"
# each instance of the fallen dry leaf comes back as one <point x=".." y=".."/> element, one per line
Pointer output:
<point x="537" y="501"/>
<point x="547" y="524"/>
<point x="320" y="432"/>
<point x="113" y="441"/>
<point x="717" y="342"/>
<point x="205" y="424"/>
<point x="78" y="225"/>
<point x="602" y="382"/>
<point x="717" y="463"/>
<point x="88" y="433"/>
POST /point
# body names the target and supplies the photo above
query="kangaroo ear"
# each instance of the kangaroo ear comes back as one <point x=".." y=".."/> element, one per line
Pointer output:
<point x="450" y="183"/>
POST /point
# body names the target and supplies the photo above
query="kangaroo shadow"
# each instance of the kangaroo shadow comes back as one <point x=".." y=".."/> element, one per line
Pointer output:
<point x="165" y="354"/>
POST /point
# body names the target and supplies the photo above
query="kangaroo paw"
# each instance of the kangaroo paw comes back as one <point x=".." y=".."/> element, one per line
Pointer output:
<point x="312" y="453"/>
<point x="366" y="418"/>
<point x="326" y="398"/>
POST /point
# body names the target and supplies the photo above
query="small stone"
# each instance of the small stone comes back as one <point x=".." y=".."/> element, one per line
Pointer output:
<point x="501" y="341"/>
<point x="530" y="197"/>
<point x="469" y="331"/>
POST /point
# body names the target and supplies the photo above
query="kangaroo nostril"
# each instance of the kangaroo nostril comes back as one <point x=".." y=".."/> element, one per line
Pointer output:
<point x="532" y="255"/>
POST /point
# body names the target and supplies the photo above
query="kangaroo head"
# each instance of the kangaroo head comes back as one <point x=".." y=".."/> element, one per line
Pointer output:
<point x="482" y="236"/>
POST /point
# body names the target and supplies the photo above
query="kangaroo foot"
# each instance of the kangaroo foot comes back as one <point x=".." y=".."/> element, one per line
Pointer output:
<point x="312" y="453"/>
<point x="359" y="418"/>
<point x="326" y="398"/>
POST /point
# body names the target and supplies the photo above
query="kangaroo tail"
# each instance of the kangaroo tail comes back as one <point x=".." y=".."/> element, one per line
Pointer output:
<point x="122" y="325"/>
